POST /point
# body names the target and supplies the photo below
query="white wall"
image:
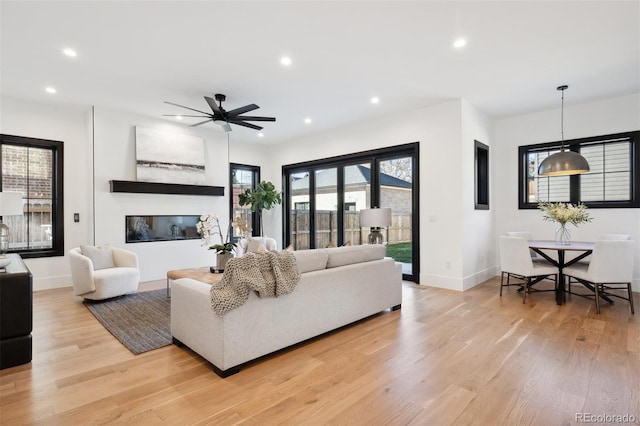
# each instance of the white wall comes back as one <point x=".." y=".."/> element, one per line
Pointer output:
<point x="602" y="117"/>
<point x="438" y="129"/>
<point x="70" y="124"/>
<point x="115" y="159"/>
<point x="478" y="248"/>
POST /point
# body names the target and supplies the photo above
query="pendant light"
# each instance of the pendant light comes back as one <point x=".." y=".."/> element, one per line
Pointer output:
<point x="563" y="163"/>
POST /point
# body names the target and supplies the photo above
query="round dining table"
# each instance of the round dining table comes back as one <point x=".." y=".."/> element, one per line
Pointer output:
<point x="540" y="246"/>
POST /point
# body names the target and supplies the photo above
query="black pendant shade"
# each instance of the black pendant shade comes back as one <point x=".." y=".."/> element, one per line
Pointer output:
<point x="563" y="163"/>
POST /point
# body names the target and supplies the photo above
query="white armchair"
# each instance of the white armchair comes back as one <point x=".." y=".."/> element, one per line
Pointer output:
<point x="115" y="275"/>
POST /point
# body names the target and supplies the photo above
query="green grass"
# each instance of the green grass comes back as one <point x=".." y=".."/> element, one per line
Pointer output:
<point x="401" y="252"/>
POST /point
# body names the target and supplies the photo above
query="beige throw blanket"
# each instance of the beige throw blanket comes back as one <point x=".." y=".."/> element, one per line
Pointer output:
<point x="270" y="274"/>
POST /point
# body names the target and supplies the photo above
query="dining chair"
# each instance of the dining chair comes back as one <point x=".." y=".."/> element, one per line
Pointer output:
<point x="613" y="237"/>
<point x="526" y="235"/>
<point x="515" y="259"/>
<point x="534" y="256"/>
<point x="611" y="268"/>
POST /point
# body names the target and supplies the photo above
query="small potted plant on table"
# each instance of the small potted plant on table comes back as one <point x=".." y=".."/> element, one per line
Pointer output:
<point x="207" y="227"/>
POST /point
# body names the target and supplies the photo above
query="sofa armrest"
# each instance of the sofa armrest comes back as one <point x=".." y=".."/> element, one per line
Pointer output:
<point x="193" y="321"/>
<point x="124" y="258"/>
<point x="81" y="273"/>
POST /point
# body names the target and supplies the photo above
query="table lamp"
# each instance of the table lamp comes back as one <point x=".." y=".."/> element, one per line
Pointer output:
<point x="10" y="205"/>
<point x="375" y="219"/>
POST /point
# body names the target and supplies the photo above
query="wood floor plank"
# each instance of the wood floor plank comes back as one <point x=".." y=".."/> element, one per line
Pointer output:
<point x="445" y="358"/>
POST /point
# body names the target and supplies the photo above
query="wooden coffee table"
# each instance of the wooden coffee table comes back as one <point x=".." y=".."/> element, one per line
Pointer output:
<point x="203" y="274"/>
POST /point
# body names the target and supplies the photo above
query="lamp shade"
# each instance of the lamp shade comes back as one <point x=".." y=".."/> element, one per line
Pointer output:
<point x="563" y="163"/>
<point x="11" y="204"/>
<point x="375" y="218"/>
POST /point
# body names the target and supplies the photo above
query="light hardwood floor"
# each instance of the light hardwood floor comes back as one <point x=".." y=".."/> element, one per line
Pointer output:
<point x="446" y="357"/>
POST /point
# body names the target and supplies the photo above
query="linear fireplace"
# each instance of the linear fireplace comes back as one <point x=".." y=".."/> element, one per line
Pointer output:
<point x="142" y="229"/>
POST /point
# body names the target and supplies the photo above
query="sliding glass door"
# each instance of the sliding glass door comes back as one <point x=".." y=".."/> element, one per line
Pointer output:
<point x="357" y="196"/>
<point x="396" y="192"/>
<point x="323" y="200"/>
<point x="326" y="207"/>
<point x="299" y="202"/>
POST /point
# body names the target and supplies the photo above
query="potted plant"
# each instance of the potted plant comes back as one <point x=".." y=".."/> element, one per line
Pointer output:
<point x="207" y="227"/>
<point x="264" y="197"/>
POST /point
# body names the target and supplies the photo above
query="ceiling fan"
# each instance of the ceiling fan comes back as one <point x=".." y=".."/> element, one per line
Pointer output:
<point x="222" y="117"/>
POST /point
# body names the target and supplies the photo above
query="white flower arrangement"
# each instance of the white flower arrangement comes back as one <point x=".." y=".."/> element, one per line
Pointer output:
<point x="564" y="213"/>
<point x="208" y="226"/>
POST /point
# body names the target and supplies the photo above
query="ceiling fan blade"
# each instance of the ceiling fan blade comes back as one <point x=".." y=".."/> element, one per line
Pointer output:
<point x="243" y="109"/>
<point x="214" y="106"/>
<point x="183" y="115"/>
<point x="250" y="118"/>
<point x="202" y="122"/>
<point x="242" y="123"/>
<point x="182" y="106"/>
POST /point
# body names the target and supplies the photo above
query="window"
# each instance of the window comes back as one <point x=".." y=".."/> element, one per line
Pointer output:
<point x="34" y="168"/>
<point x="613" y="181"/>
<point x="349" y="207"/>
<point x="243" y="177"/>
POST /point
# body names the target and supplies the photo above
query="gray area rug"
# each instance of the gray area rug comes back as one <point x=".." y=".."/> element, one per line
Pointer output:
<point x="140" y="321"/>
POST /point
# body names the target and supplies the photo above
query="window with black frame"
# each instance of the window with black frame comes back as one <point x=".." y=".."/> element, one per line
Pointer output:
<point x="34" y="168"/>
<point x="613" y="179"/>
<point x="246" y="222"/>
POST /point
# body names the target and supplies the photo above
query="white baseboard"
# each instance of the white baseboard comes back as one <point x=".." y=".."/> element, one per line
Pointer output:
<point x="441" y="281"/>
<point x="48" y="283"/>
<point x="478" y="278"/>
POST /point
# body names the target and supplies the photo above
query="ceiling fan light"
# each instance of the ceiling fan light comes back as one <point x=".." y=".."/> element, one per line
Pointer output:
<point x="563" y="163"/>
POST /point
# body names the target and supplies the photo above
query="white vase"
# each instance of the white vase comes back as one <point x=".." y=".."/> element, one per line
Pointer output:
<point x="563" y="236"/>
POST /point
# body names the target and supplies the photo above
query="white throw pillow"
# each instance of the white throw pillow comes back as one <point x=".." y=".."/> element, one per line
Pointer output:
<point x="101" y="257"/>
<point x="255" y="246"/>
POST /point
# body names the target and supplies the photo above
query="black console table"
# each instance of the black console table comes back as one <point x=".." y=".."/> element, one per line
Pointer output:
<point x="16" y="313"/>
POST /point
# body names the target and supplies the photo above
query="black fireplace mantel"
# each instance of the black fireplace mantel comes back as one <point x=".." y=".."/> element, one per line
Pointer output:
<point x="164" y="188"/>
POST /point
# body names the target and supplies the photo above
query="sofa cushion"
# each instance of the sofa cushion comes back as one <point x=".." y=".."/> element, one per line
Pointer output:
<point x="348" y="255"/>
<point x="101" y="257"/>
<point x="310" y="260"/>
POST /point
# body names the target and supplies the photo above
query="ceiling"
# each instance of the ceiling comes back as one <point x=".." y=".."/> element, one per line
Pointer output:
<point x="133" y="55"/>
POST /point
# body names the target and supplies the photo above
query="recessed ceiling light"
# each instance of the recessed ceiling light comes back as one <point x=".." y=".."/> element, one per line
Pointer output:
<point x="50" y="90"/>
<point x="285" y="61"/>
<point x="307" y="120"/>
<point x="261" y="135"/>
<point x="460" y="42"/>
<point x="70" y="52"/>
<point x="178" y="117"/>
<point x="375" y="100"/>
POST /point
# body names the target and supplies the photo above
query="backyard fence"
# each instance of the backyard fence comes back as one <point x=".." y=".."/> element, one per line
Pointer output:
<point x="326" y="224"/>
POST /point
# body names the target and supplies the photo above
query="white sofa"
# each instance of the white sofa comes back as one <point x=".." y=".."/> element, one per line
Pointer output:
<point x="337" y="287"/>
